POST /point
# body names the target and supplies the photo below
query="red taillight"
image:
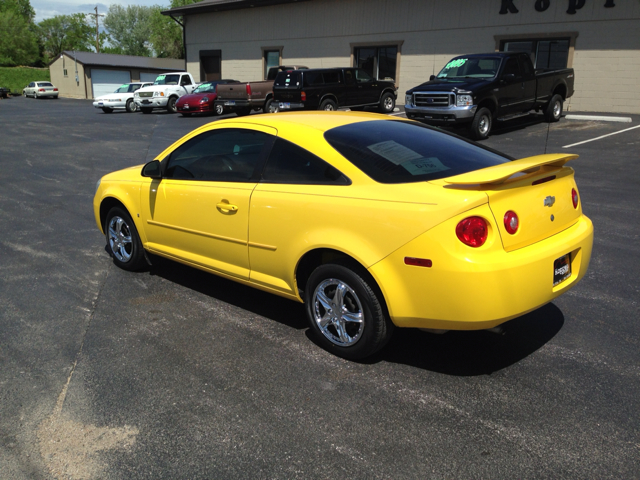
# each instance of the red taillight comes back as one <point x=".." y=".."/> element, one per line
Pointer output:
<point x="511" y="222"/>
<point x="472" y="231"/>
<point x="248" y="89"/>
<point x="55" y="89"/>
<point x="41" y="90"/>
<point x="574" y="197"/>
<point x="303" y="96"/>
<point x="418" y="262"/>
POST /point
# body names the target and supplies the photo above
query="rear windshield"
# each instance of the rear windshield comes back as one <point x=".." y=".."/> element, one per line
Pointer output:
<point x="395" y="151"/>
<point x="288" y="79"/>
<point x="44" y="84"/>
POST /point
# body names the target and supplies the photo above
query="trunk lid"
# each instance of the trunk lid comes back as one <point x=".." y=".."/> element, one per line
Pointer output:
<point x="538" y="189"/>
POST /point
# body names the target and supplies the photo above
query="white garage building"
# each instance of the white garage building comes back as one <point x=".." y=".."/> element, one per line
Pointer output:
<point x="89" y="75"/>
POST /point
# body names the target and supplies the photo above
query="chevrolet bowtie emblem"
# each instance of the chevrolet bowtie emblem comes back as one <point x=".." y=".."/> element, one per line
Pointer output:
<point x="549" y="201"/>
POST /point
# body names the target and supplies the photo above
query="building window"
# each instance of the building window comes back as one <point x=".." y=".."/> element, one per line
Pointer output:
<point x="547" y="51"/>
<point x="379" y="62"/>
<point x="271" y="57"/>
<point x="65" y="72"/>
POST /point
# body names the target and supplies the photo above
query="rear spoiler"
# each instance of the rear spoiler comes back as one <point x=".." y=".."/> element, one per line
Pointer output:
<point x="499" y="173"/>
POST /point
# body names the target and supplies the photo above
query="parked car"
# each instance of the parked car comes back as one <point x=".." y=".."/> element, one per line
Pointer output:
<point x="373" y="222"/>
<point x="40" y="90"/>
<point x="4" y="92"/>
<point x="476" y="90"/>
<point x="332" y="88"/>
<point x="121" y="98"/>
<point x="252" y="95"/>
<point x="203" y="98"/>
<point x="165" y="92"/>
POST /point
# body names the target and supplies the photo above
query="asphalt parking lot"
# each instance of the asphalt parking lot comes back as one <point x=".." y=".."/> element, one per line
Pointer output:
<point x="174" y="373"/>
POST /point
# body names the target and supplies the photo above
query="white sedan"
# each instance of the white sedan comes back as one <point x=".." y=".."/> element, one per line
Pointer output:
<point x="121" y="98"/>
<point x="40" y="90"/>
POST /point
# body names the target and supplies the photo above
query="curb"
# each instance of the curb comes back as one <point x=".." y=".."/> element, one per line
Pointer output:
<point x="598" y="118"/>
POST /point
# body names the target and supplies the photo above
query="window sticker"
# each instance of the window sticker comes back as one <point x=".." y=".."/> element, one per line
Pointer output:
<point x="455" y="63"/>
<point x="394" y="152"/>
<point x="424" y="166"/>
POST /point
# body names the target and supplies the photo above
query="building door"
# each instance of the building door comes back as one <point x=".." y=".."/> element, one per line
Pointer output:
<point x="107" y="81"/>
<point x="210" y="65"/>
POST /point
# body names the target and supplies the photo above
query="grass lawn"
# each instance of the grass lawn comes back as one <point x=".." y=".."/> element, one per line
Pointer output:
<point x="16" y="78"/>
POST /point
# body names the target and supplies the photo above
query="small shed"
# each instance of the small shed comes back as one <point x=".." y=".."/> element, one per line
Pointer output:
<point x="89" y="75"/>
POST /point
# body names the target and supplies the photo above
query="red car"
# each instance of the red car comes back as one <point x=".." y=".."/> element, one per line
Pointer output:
<point x="202" y="100"/>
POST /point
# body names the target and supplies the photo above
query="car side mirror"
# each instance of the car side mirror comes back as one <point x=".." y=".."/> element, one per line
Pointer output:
<point x="509" y="77"/>
<point x="152" y="170"/>
<point x="432" y="77"/>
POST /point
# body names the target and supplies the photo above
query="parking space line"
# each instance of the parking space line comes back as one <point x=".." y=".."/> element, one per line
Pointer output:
<point x="603" y="136"/>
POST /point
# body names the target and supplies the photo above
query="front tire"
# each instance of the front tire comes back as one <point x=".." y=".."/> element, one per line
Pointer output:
<point x="328" y="105"/>
<point x="346" y="311"/>
<point x="481" y="124"/>
<point x="387" y="103"/>
<point x="123" y="242"/>
<point x="553" y="111"/>
<point x="171" y="105"/>
<point x="131" y="106"/>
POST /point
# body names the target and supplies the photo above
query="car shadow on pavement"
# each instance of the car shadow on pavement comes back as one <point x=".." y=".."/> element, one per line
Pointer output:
<point x="503" y="128"/>
<point x="473" y="353"/>
<point x="268" y="305"/>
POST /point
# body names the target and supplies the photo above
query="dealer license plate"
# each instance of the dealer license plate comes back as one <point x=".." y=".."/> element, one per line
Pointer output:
<point x="186" y="106"/>
<point x="230" y="102"/>
<point x="284" y="105"/>
<point x="146" y="101"/>
<point x="561" y="269"/>
<point x="100" y="104"/>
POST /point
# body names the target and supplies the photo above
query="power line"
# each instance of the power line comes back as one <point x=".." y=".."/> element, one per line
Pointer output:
<point x="97" y="15"/>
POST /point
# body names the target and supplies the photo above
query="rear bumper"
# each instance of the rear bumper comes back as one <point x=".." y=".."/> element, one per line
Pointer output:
<point x="441" y="115"/>
<point x="286" y="106"/>
<point x="474" y="289"/>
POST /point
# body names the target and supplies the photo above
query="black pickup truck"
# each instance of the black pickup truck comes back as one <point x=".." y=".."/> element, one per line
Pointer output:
<point x="475" y="90"/>
<point x="332" y="88"/>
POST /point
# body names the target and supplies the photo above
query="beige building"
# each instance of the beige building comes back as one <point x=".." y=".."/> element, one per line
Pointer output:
<point x="408" y="40"/>
<point x="88" y="74"/>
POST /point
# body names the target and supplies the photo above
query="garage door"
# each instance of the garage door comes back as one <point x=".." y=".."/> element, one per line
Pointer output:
<point x="148" y="77"/>
<point x="106" y="81"/>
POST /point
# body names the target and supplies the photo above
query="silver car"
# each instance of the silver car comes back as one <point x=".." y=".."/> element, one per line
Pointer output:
<point x="40" y="90"/>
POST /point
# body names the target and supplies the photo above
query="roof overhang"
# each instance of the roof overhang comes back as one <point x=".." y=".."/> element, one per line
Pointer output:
<point x="207" y="6"/>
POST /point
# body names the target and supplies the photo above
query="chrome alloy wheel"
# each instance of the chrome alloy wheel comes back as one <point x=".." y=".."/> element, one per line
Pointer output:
<point x="120" y="239"/>
<point x="557" y="109"/>
<point x="338" y="312"/>
<point x="484" y="125"/>
<point x="388" y="104"/>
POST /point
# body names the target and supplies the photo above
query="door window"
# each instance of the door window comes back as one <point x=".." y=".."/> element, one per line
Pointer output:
<point x="223" y="155"/>
<point x="289" y="163"/>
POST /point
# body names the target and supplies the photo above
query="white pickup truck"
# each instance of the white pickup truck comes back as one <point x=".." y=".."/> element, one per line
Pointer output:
<point x="164" y="92"/>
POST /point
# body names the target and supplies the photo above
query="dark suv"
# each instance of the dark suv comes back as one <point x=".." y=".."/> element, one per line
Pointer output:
<point x="331" y="88"/>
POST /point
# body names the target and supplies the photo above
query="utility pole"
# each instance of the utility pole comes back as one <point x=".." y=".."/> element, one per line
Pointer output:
<point x="97" y="15"/>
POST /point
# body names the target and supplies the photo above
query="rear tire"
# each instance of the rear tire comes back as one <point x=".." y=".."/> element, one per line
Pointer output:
<point x="123" y="242"/>
<point x="218" y="110"/>
<point x="346" y="311"/>
<point x="267" y="106"/>
<point x="481" y="124"/>
<point x="328" y="105"/>
<point x="131" y="106"/>
<point x="553" y="111"/>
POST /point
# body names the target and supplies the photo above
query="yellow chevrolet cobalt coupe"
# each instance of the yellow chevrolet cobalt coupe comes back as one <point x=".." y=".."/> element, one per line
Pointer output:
<point x="372" y="222"/>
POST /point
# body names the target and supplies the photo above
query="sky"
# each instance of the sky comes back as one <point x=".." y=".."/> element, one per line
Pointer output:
<point x="47" y="8"/>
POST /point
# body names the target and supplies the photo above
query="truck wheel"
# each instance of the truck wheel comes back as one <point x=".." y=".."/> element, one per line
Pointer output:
<point x="481" y="124"/>
<point x="387" y="103"/>
<point x="131" y="106"/>
<point x="553" y="112"/>
<point x="328" y="105"/>
<point x="145" y="109"/>
<point x="171" y="105"/>
<point x="267" y="105"/>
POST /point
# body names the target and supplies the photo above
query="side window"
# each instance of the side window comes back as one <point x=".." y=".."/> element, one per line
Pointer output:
<point x="332" y="76"/>
<point x="185" y="80"/>
<point x="511" y="67"/>
<point x="289" y="163"/>
<point x="349" y="77"/>
<point x="223" y="155"/>
<point x="526" y="67"/>
<point x="133" y="87"/>
<point x="362" y="76"/>
<point x="313" y="78"/>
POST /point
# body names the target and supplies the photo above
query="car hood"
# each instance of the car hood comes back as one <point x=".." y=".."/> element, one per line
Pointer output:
<point x="129" y="174"/>
<point x="115" y="95"/>
<point x="196" y="97"/>
<point x="452" y="85"/>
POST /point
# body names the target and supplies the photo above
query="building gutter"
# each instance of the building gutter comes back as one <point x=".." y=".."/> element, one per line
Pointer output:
<point x="184" y="39"/>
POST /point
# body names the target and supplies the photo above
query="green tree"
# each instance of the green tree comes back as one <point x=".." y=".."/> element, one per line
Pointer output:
<point x="18" y="42"/>
<point x="20" y="7"/>
<point x="130" y="28"/>
<point x="66" y="32"/>
<point x="166" y="34"/>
